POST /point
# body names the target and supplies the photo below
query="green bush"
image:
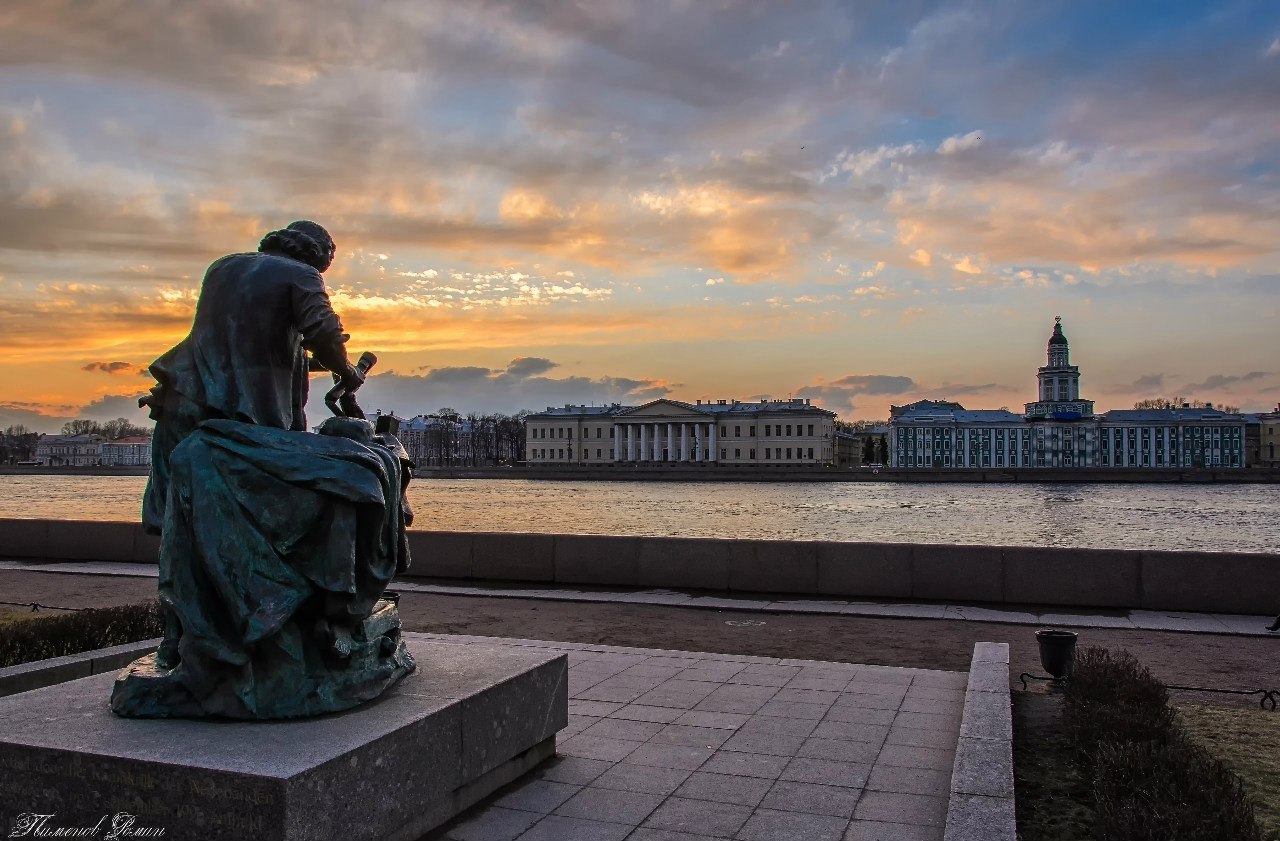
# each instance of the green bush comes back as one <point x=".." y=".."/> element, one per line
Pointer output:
<point x="85" y="630"/>
<point x="1111" y="697"/>
<point x="1152" y="791"/>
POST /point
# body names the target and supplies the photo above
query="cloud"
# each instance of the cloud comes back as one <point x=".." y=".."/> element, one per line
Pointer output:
<point x="960" y="389"/>
<point x="111" y="406"/>
<point x="1213" y="382"/>
<point x="874" y="384"/>
<point x="478" y="389"/>
<point x="529" y="366"/>
<point x="49" y="418"/>
<point x="960" y="143"/>
<point x="114" y="368"/>
<point x="1145" y="384"/>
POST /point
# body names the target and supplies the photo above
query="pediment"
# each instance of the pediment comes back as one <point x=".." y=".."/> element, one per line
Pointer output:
<point x="664" y="409"/>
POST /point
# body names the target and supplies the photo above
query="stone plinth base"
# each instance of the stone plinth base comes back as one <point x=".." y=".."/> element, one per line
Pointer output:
<point x="469" y="720"/>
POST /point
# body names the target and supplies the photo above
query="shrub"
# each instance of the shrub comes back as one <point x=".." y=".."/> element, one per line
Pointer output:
<point x="1159" y="791"/>
<point x="57" y="636"/>
<point x="1111" y="697"/>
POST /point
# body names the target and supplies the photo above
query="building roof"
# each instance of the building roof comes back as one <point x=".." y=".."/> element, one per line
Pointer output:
<point x="966" y="416"/>
<point x="132" y="439"/>
<point x="919" y="405"/>
<point x="570" y="411"/>
<point x="1167" y="415"/>
<point x="797" y="405"/>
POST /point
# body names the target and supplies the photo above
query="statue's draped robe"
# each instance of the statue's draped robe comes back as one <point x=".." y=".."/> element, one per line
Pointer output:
<point x="244" y="359"/>
<point x="266" y="531"/>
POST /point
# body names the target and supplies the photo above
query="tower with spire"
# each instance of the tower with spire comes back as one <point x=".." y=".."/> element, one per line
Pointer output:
<point x="1059" y="384"/>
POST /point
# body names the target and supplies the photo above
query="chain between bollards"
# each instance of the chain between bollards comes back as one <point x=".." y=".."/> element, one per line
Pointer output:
<point x="36" y="606"/>
<point x="1269" y="698"/>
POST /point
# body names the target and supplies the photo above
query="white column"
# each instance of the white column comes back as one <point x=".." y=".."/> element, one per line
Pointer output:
<point x="657" y="442"/>
<point x="684" y="442"/>
<point x="715" y="453"/>
<point x="617" y="442"/>
<point x="671" y="442"/>
<point x="644" y="442"/>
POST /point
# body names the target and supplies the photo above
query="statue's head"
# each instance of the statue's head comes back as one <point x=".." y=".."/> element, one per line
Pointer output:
<point x="357" y="429"/>
<point x="302" y="240"/>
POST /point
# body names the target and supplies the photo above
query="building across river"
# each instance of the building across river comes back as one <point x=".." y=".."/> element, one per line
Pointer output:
<point x="1061" y="430"/>
<point x="728" y="432"/>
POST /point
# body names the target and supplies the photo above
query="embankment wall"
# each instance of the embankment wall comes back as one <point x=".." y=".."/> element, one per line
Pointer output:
<point x="1218" y="582"/>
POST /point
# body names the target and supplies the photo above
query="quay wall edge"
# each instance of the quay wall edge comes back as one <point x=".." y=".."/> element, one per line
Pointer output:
<point x="1254" y="475"/>
<point x="1212" y="582"/>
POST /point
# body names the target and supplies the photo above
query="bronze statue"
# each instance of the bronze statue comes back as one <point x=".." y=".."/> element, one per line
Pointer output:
<point x="276" y="544"/>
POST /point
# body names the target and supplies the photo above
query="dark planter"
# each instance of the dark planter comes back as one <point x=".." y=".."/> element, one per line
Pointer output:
<point x="1056" y="651"/>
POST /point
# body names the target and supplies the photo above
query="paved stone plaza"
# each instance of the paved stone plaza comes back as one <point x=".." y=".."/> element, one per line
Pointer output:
<point x="685" y="746"/>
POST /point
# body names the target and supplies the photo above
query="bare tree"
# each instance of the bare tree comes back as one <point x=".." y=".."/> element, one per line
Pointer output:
<point x="1180" y="402"/>
<point x="81" y="426"/>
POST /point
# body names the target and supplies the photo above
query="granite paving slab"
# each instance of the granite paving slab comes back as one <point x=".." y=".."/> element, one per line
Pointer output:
<point x="726" y="747"/>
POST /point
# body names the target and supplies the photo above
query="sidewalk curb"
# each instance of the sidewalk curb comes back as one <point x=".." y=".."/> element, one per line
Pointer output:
<point x="981" y="806"/>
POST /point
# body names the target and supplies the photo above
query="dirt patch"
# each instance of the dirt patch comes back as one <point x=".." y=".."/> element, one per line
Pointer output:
<point x="1247" y="740"/>
<point x="1053" y="800"/>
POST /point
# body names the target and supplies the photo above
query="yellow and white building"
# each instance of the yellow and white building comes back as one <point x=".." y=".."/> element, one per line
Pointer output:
<point x="724" y="432"/>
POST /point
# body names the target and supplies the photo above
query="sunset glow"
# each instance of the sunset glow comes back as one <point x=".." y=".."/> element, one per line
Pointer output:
<point x="541" y="203"/>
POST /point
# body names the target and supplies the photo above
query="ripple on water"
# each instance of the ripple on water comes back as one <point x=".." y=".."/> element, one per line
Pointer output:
<point x="1212" y="517"/>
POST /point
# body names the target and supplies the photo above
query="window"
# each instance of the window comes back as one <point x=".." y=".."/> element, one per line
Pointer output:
<point x="788" y="454"/>
<point x="777" y="429"/>
<point x="724" y="454"/>
<point x="724" y="432"/>
<point x="599" y="431"/>
<point x="788" y="429"/>
<point x="737" y="453"/>
<point x="753" y="455"/>
<point x="752" y="432"/>
<point x="811" y="449"/>
<point x="767" y="456"/>
<point x="737" y="432"/>
<point x="560" y="432"/>
<point x="810" y="429"/>
<point x="767" y="429"/>
<point x="611" y="432"/>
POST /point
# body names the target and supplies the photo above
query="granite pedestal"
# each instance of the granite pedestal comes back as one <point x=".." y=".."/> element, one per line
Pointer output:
<point x="469" y="720"/>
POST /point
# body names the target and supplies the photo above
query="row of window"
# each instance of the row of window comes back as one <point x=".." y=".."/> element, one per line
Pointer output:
<point x="540" y="432"/>
<point x="770" y="453"/>
<point x="770" y="430"/>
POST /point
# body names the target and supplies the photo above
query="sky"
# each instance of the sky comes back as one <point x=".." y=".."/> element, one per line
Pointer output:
<point x="540" y="203"/>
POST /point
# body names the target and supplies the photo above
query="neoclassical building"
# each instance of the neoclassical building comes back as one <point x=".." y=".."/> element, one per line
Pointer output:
<point x="729" y="432"/>
<point x="1060" y="429"/>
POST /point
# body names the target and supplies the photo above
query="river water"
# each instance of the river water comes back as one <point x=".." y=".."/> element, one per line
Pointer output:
<point x="1243" y="518"/>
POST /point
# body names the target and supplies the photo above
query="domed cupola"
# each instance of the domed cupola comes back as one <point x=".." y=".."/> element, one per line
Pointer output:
<point x="1059" y="397"/>
<point x="1057" y="338"/>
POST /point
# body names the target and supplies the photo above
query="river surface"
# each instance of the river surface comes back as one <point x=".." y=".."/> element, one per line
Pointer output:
<point x="1243" y="518"/>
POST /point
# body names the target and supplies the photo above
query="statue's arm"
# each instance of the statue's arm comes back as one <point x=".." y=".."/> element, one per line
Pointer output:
<point x="321" y="330"/>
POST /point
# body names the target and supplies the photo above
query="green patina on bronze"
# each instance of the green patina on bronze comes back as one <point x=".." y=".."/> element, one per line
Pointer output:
<point x="276" y="544"/>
